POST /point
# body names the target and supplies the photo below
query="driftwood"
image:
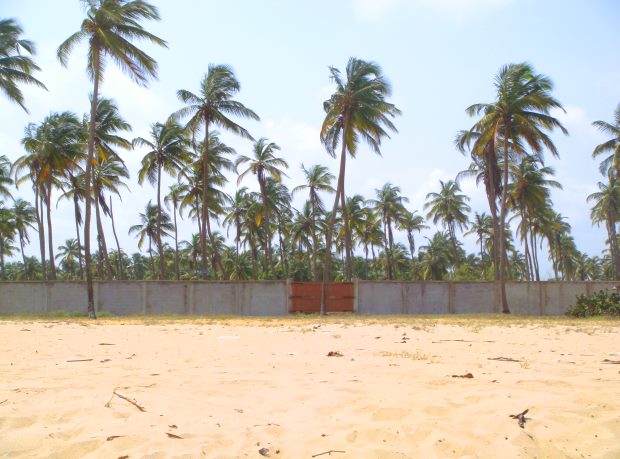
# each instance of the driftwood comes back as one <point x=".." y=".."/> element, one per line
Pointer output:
<point x="334" y="354"/>
<point x="466" y="375"/>
<point x="171" y="435"/>
<point x="612" y="362"/>
<point x="80" y="360"/>
<point x="521" y="418"/>
<point x="124" y="397"/>
<point x="328" y="452"/>
<point x="504" y="359"/>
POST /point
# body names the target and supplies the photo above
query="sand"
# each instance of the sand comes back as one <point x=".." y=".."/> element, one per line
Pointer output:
<point x="232" y="388"/>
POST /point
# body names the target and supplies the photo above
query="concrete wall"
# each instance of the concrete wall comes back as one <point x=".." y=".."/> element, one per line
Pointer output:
<point x="271" y="298"/>
<point x="529" y="298"/>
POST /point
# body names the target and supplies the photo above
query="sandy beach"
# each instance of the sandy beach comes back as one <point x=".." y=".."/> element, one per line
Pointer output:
<point x="267" y="388"/>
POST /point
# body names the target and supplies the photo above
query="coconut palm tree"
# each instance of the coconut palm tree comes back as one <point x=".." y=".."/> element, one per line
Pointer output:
<point x="389" y="204"/>
<point x="235" y="213"/>
<point x="24" y="219"/>
<point x="148" y="229"/>
<point x="318" y="179"/>
<point x="357" y="109"/>
<point x="410" y="222"/>
<point x="264" y="164"/>
<point x="450" y="208"/>
<point x="54" y="148"/>
<point x="15" y="65"/>
<point x="606" y="210"/>
<point x="7" y="234"/>
<point x="74" y="189"/>
<point x="213" y="106"/>
<point x="68" y="254"/>
<point x="175" y="195"/>
<point x="110" y="27"/>
<point x="518" y="117"/>
<point x="612" y="145"/>
<point x="5" y="176"/>
<point x="168" y="152"/>
<point x="436" y="257"/>
<point x="482" y="227"/>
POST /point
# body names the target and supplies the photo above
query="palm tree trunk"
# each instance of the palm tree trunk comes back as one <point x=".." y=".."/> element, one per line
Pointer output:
<point x="2" y="273"/>
<point x="347" y="235"/>
<point x="151" y="257"/>
<point x="502" y="230"/>
<point x="315" y="242"/>
<point x="21" y="246"/>
<point x="160" y="246"/>
<point x="205" y="206"/>
<point x="48" y="205"/>
<point x="76" y="207"/>
<point x="89" y="162"/>
<point x="265" y="222"/>
<point x="330" y="231"/>
<point x="38" y="202"/>
<point x="176" y="244"/>
<point x="104" y="247"/>
<point x="391" y="244"/>
<point x="119" y="255"/>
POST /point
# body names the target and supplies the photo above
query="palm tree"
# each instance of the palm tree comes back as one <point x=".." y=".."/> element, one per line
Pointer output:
<point x="110" y="27"/>
<point x="450" y="208"/>
<point x="74" y="188"/>
<point x="318" y="178"/>
<point x="612" y="145"/>
<point x="435" y="257"/>
<point x="53" y="149"/>
<point x="175" y="196"/>
<point x="607" y="209"/>
<point x="68" y="254"/>
<point x="168" y="152"/>
<point x="213" y="106"/>
<point x="482" y="227"/>
<point x="235" y="213"/>
<point x="148" y="229"/>
<point x="389" y="204"/>
<point x="357" y="109"/>
<point x="265" y="164"/>
<point x="5" y="176"/>
<point x="15" y="66"/>
<point x="7" y="233"/>
<point x="519" y="116"/>
<point x="410" y="222"/>
<point x="24" y="219"/>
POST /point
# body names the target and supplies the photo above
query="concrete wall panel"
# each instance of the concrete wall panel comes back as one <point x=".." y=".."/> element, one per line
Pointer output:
<point x="23" y="297"/>
<point x="67" y="296"/>
<point x="218" y="298"/>
<point x="473" y="297"/>
<point x="120" y="298"/>
<point x="167" y="298"/>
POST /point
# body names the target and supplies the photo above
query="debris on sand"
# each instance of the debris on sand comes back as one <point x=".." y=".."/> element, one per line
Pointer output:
<point x="521" y="418"/>
<point x="504" y="359"/>
<point x="334" y="354"/>
<point x="466" y="375"/>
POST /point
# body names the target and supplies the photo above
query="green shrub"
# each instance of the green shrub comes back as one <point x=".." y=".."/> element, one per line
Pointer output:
<point x="601" y="303"/>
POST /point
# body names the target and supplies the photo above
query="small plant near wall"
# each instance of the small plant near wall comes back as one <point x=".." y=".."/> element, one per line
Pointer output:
<point x="601" y="303"/>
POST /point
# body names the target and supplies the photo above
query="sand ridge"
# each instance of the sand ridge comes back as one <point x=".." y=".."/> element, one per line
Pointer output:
<point x="228" y="390"/>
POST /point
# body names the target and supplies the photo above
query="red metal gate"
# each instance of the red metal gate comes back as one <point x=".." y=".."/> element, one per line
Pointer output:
<point x="306" y="297"/>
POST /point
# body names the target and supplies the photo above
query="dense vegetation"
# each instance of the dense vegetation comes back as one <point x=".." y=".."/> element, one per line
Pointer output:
<point x="260" y="235"/>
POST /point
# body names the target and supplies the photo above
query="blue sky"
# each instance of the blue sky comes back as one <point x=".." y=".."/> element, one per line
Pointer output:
<point x="440" y="57"/>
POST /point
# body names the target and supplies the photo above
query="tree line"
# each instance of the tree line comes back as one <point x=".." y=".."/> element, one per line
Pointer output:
<point x="260" y="235"/>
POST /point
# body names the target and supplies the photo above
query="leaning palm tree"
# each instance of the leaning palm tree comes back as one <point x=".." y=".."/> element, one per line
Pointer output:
<point x="606" y="210"/>
<point x="519" y="116"/>
<point x="15" y="66"/>
<point x="213" y="106"/>
<point x="168" y="152"/>
<point x="612" y="145"/>
<point x="318" y="178"/>
<point x="110" y="27"/>
<point x="264" y="164"/>
<point x="357" y="109"/>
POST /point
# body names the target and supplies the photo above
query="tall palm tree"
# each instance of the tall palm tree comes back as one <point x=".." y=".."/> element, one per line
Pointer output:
<point x="606" y="210"/>
<point x="15" y="66"/>
<point x="357" y="109"/>
<point x="318" y="178"/>
<point x="264" y="164"/>
<point x="5" y="176"/>
<point x="175" y="195"/>
<point x="54" y="148"/>
<point x="435" y="257"/>
<point x="7" y="234"/>
<point x="24" y="219"/>
<point x="168" y="152"/>
<point x="68" y="254"/>
<point x="110" y="27"/>
<point x="74" y="189"/>
<point x="482" y="227"/>
<point x="389" y="204"/>
<point x="213" y="106"/>
<point x="612" y="145"/>
<point x="519" y="116"/>
<point x="450" y="208"/>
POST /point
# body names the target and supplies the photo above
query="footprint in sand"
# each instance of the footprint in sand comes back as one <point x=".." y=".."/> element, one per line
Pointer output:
<point x="390" y="414"/>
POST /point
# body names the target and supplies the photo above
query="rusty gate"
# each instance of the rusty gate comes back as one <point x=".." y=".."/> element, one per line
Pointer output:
<point x="306" y="297"/>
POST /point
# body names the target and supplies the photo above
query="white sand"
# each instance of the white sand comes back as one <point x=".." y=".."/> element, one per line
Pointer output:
<point x="230" y="389"/>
